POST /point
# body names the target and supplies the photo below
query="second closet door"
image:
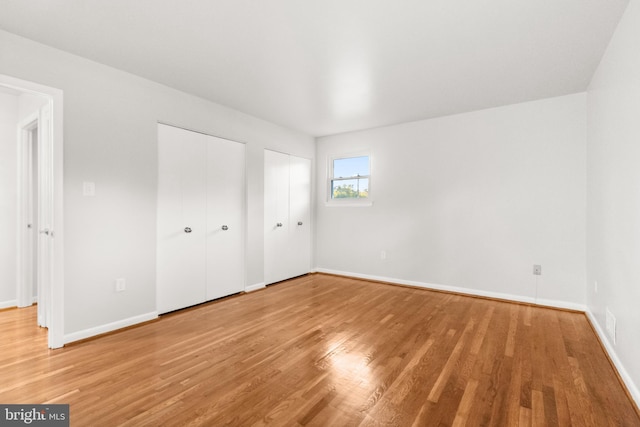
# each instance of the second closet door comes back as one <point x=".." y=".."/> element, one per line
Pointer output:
<point x="299" y="216"/>
<point x="225" y="225"/>
<point x="276" y="216"/>
<point x="287" y="206"/>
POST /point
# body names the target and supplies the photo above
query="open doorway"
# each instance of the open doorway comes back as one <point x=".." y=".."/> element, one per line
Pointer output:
<point x="32" y="159"/>
<point x="34" y="213"/>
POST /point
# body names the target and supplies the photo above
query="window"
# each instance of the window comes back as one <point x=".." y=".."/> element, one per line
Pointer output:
<point x="349" y="178"/>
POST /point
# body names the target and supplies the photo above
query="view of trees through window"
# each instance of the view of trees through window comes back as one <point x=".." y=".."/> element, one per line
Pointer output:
<point x="350" y="178"/>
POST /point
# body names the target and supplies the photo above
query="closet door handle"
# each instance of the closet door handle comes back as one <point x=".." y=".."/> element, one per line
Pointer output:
<point x="299" y="222"/>
<point x="225" y="228"/>
<point x="279" y="224"/>
<point x="187" y="229"/>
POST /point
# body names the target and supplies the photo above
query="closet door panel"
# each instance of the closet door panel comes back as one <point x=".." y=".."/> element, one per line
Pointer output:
<point x="299" y="216"/>
<point x="225" y="220"/>
<point x="181" y="222"/>
<point x="276" y="215"/>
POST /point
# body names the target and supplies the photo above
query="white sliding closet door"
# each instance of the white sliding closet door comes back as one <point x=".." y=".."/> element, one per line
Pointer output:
<point x="182" y="179"/>
<point x="225" y="225"/>
<point x="276" y="216"/>
<point x="200" y="253"/>
<point x="299" y="216"/>
<point x="287" y="201"/>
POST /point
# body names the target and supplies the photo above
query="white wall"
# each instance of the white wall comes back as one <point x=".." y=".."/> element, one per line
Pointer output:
<point x="8" y="198"/>
<point x="469" y="201"/>
<point x="613" y="193"/>
<point x="110" y="138"/>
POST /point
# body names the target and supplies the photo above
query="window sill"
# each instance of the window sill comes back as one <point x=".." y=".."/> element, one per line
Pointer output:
<point x="349" y="204"/>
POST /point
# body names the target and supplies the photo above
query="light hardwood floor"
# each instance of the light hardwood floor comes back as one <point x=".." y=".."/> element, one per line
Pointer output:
<point x="329" y="351"/>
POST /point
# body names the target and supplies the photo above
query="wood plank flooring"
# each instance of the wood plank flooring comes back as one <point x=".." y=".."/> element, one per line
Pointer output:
<point x="326" y="351"/>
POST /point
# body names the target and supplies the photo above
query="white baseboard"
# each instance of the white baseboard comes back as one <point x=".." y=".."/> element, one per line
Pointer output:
<point x="561" y="304"/>
<point x="14" y="303"/>
<point x="254" y="287"/>
<point x="467" y="291"/>
<point x="628" y="381"/>
<point x="109" y="327"/>
<point x="8" y="304"/>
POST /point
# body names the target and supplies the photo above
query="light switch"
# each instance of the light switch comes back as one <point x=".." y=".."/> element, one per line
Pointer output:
<point x="88" y="189"/>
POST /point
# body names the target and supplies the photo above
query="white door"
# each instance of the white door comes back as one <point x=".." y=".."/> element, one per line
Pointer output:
<point x="32" y="216"/>
<point x="287" y="213"/>
<point x="276" y="216"/>
<point x="28" y="216"/>
<point x="299" y="260"/>
<point x="181" y="221"/>
<point x="225" y="221"/>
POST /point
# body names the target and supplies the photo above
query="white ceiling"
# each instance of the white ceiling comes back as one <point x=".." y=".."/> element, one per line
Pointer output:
<point x="330" y="66"/>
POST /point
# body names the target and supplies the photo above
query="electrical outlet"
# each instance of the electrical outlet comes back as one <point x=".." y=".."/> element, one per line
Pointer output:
<point x="383" y="255"/>
<point x="611" y="325"/>
<point x="121" y="285"/>
<point x="537" y="270"/>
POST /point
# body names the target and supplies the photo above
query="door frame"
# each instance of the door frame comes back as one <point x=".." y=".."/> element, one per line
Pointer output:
<point x="56" y="294"/>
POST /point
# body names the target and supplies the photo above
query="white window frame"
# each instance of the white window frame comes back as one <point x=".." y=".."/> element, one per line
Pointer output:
<point x="359" y="202"/>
